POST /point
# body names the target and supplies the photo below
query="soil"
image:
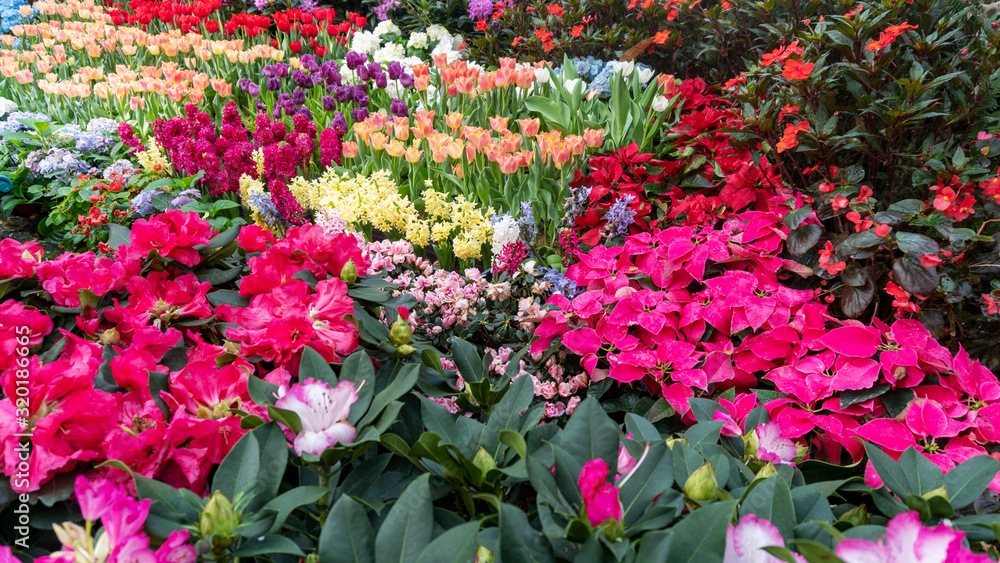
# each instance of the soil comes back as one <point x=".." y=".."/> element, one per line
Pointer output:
<point x="22" y="229"/>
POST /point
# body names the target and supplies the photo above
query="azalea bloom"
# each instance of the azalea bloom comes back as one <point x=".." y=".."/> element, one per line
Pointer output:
<point x="745" y="542"/>
<point x="907" y="540"/>
<point x="322" y="412"/>
<point x="771" y="446"/>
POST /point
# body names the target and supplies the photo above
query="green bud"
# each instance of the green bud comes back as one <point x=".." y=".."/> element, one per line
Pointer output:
<point x="767" y="471"/>
<point x="938" y="492"/>
<point x="312" y="558"/>
<point x="484" y="555"/>
<point x="349" y="273"/>
<point x="857" y="516"/>
<point x="752" y="444"/>
<point x="484" y="461"/>
<point x="400" y="332"/>
<point x="406" y="350"/>
<point x="219" y="517"/>
<point x="110" y="336"/>
<point x="702" y="485"/>
<point x="801" y="451"/>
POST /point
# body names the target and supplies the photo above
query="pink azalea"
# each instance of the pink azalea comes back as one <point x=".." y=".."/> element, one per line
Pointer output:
<point x="907" y="540"/>
<point x="323" y="413"/>
<point x="745" y="542"/>
<point x="19" y="259"/>
<point x="65" y="276"/>
<point x="600" y="498"/>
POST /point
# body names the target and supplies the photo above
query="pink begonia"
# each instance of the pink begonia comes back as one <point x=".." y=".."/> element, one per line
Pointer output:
<point x="323" y="413"/>
<point x="123" y="518"/>
<point x="600" y="498"/>
<point x="907" y="540"/>
<point x="745" y="542"/>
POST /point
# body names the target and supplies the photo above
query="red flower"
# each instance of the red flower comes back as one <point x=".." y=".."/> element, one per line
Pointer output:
<point x="790" y="138"/>
<point x="991" y="305"/>
<point x="296" y="46"/>
<point x="577" y="30"/>
<point x="825" y="255"/>
<point x="888" y="36"/>
<point x="661" y="37"/>
<point x="796" y="70"/>
<point x="173" y="234"/>
<point x="481" y="25"/>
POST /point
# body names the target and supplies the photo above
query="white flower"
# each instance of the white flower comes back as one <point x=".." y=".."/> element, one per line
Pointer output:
<point x="625" y="68"/>
<point x="348" y="76"/>
<point x="660" y="103"/>
<point x="322" y="412"/>
<point x="436" y="32"/>
<point x="645" y="75"/>
<point x="456" y="41"/>
<point x="445" y="47"/>
<point x="391" y="52"/>
<point x="505" y="231"/>
<point x="365" y="42"/>
<point x="418" y="40"/>
<point x="570" y="84"/>
<point x="7" y="106"/>
<point x="542" y="75"/>
<point x="385" y="27"/>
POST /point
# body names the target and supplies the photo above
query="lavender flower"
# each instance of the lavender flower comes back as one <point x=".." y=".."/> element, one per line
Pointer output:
<point x="143" y="203"/>
<point x="560" y="283"/>
<point x="619" y="217"/>
<point x="529" y="230"/>
<point x="479" y="9"/>
<point x="383" y="9"/>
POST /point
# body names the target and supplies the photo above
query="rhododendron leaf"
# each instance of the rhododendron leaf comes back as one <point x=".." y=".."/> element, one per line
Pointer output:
<point x="649" y="479"/>
<point x="915" y="278"/>
<point x="105" y="380"/>
<point x="912" y="243"/>
<point x="890" y="471"/>
<point x="347" y="534"/>
<point x="755" y="418"/>
<point x="266" y="545"/>
<point x="923" y="475"/>
<point x="470" y="365"/>
<point x="772" y="501"/>
<point x="801" y="239"/>
<point x="641" y="429"/>
<point x="783" y="553"/>
<point x="286" y="503"/>
<point x="704" y="409"/>
<point x="369" y="328"/>
<point x="240" y="467"/>
<point x="815" y="552"/>
<point x="854" y="341"/>
<point x="227" y="297"/>
<point x="220" y="240"/>
<point x="701" y="536"/>
<point x="506" y="415"/>
<point x="851" y="397"/>
<point x="261" y="392"/>
<point x="159" y="383"/>
<point x="456" y="545"/>
<point x="591" y="434"/>
<point x="358" y="369"/>
<point x="404" y="378"/>
<point x="704" y="433"/>
<point x="518" y="539"/>
<point x="409" y="526"/>
<point x="967" y="481"/>
<point x="313" y="365"/>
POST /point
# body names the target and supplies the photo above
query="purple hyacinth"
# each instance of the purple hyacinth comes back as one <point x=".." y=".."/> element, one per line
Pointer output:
<point x="620" y="217"/>
<point x="479" y="9"/>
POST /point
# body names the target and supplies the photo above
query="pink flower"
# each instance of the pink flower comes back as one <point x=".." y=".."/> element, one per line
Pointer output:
<point x="771" y="446"/>
<point x="745" y="542"/>
<point x="18" y="260"/>
<point x="907" y="540"/>
<point x="323" y="413"/>
<point x="173" y="234"/>
<point x="600" y="498"/>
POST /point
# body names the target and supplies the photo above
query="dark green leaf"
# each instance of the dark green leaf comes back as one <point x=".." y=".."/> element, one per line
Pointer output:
<point x="966" y="482"/>
<point x="701" y="536"/>
<point x="347" y="534"/>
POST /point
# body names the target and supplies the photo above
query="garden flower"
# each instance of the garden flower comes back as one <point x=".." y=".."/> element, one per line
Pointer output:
<point x="323" y="413"/>
<point x="746" y="540"/>
<point x="907" y="540"/>
<point x="796" y="70"/>
<point x="600" y="498"/>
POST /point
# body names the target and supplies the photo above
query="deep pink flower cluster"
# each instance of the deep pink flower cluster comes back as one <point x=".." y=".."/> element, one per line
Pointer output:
<point x="172" y="234"/>
<point x="331" y="148"/>
<point x="285" y="313"/>
<point x="696" y="310"/>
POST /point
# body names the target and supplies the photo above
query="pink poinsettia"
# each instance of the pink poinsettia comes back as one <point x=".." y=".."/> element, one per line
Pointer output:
<point x="323" y="413"/>
<point x="745" y="542"/>
<point x="906" y="539"/>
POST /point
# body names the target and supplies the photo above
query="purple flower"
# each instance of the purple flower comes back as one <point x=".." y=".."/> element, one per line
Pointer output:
<point x="339" y="122"/>
<point x="361" y="98"/>
<point x="359" y="114"/>
<point x="309" y="63"/>
<point x="305" y="112"/>
<point x="386" y="6"/>
<point x="301" y="79"/>
<point x="395" y="70"/>
<point x="299" y="97"/>
<point x="620" y="217"/>
<point x="343" y="94"/>
<point x="406" y="80"/>
<point x="253" y="90"/>
<point x="398" y="108"/>
<point x="381" y="80"/>
<point x="273" y="84"/>
<point x="479" y="9"/>
<point x="354" y="60"/>
<point x="316" y="79"/>
<point x="363" y="72"/>
<point x="329" y="104"/>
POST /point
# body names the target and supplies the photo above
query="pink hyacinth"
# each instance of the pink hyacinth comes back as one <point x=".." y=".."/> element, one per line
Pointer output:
<point x="600" y="498"/>
<point x="323" y="413"/>
<point x="907" y="540"/>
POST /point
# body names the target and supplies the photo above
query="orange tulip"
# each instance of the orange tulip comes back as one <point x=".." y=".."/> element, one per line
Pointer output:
<point x="24" y="76"/>
<point x="593" y="137"/>
<point x="413" y="154"/>
<point x="499" y="124"/>
<point x="350" y="150"/>
<point x="453" y="120"/>
<point x="395" y="148"/>
<point x="529" y="127"/>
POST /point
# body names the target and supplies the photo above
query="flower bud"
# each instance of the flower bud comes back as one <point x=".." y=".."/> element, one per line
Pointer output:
<point x="349" y="273"/>
<point x="312" y="558"/>
<point x="702" y="485"/>
<point x="406" y="350"/>
<point x="857" y="516"/>
<point x="767" y="471"/>
<point x="110" y="336"/>
<point x="401" y="330"/>
<point x="219" y="518"/>
<point x="484" y="555"/>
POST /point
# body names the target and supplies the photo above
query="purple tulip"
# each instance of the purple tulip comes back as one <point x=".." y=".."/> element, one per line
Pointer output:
<point x="309" y="63"/>
<point x="359" y="114"/>
<point x="339" y="122"/>
<point x="253" y="90"/>
<point x="361" y="98"/>
<point x="398" y="108"/>
<point x="301" y="79"/>
<point x="354" y="60"/>
<point x="329" y="104"/>
<point x="406" y="80"/>
<point x="395" y="70"/>
<point x="299" y="97"/>
<point x="343" y="94"/>
<point x="273" y="84"/>
<point x="381" y="80"/>
<point x="363" y="72"/>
